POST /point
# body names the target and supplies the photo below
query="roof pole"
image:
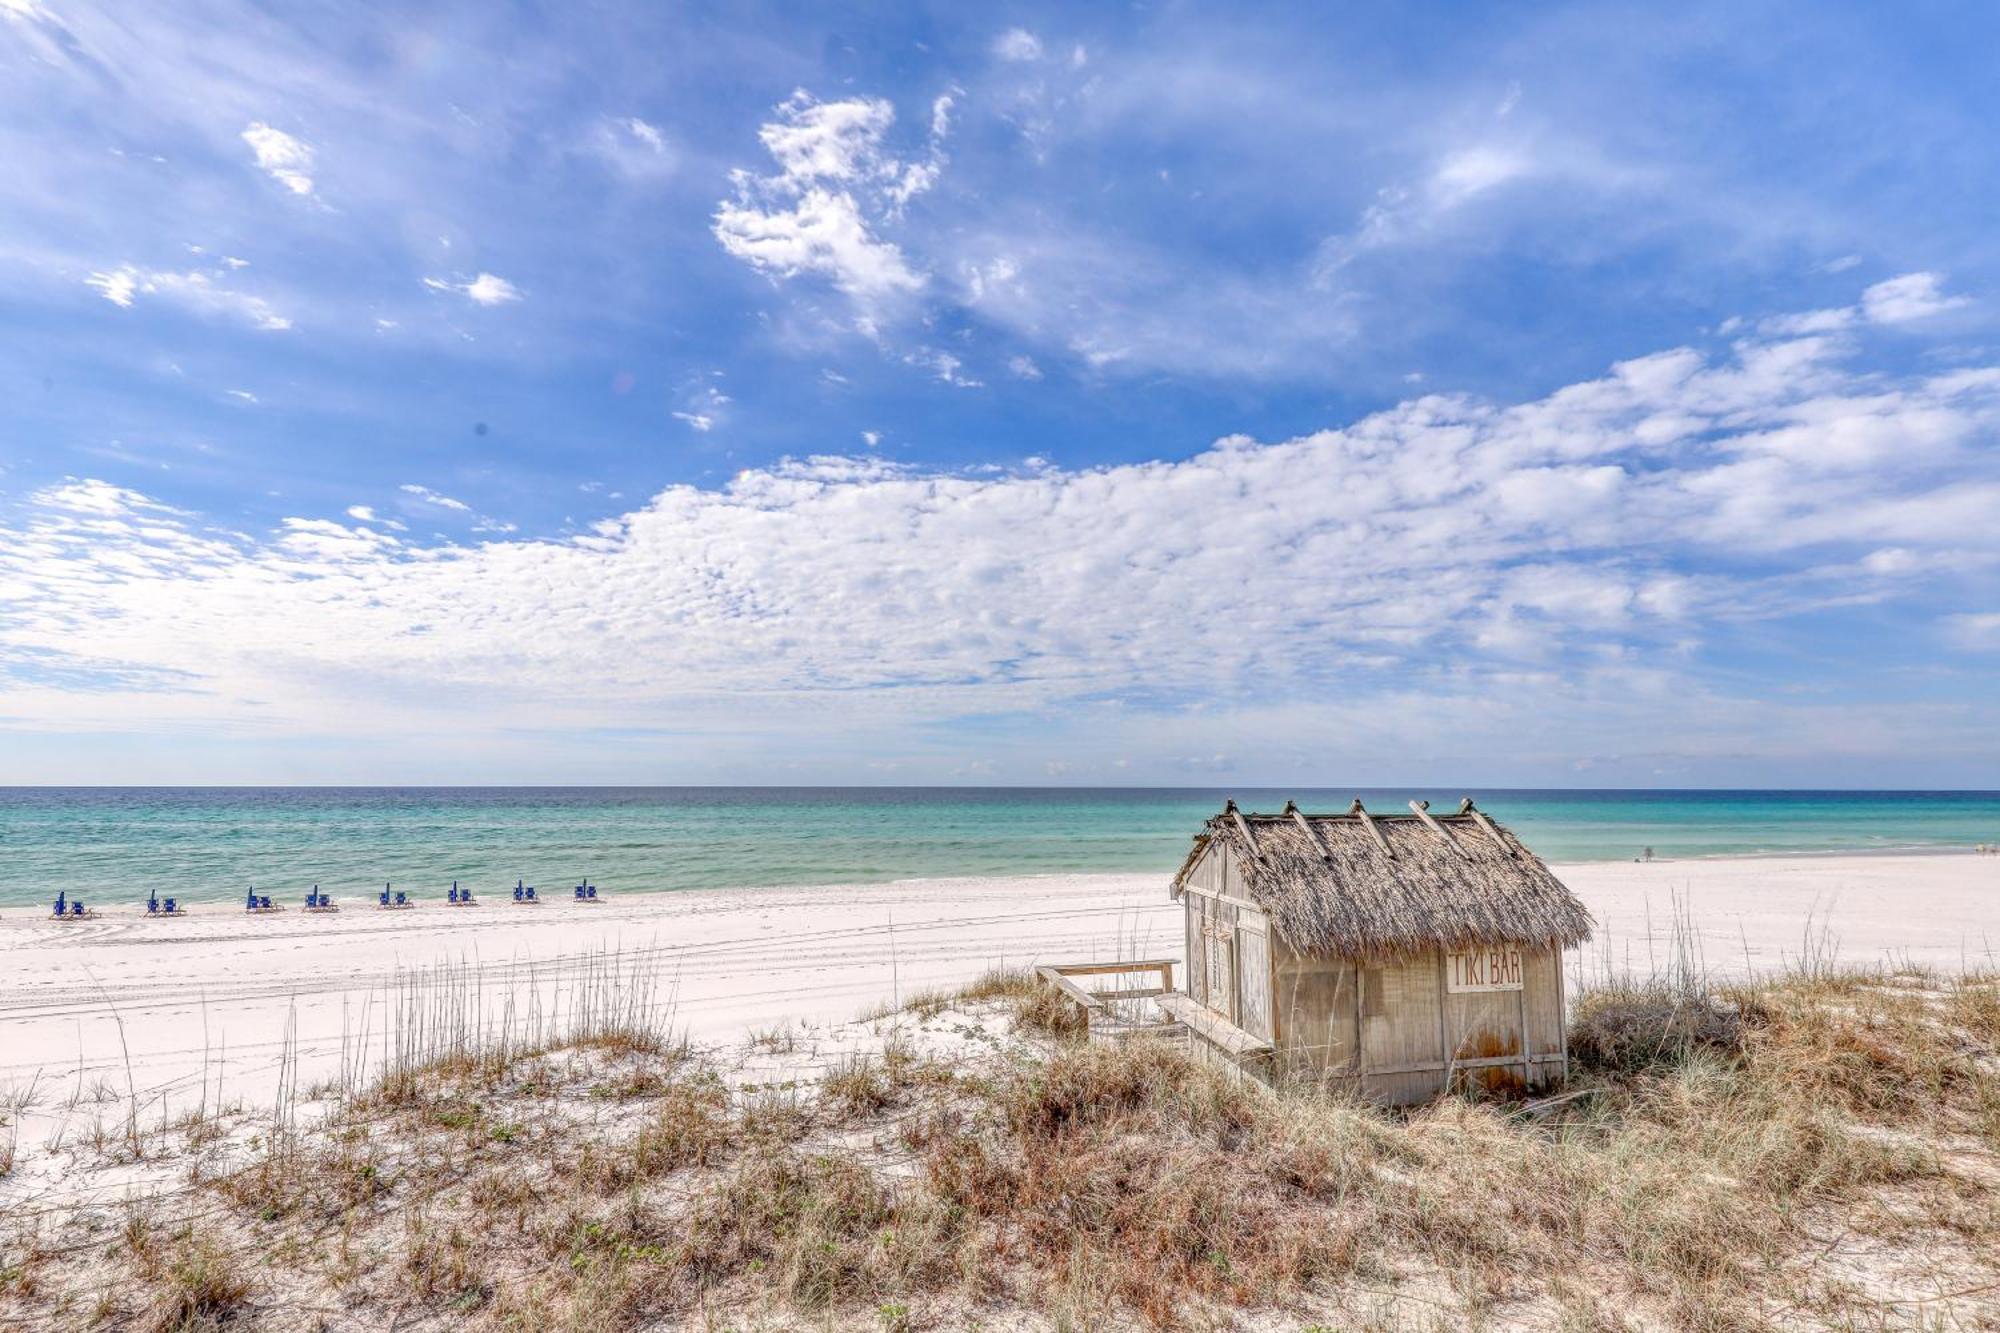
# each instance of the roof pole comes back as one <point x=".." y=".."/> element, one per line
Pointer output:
<point x="1423" y="809"/>
<point x="1367" y="822"/>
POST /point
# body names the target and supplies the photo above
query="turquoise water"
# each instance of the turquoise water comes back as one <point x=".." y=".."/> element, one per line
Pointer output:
<point x="210" y="843"/>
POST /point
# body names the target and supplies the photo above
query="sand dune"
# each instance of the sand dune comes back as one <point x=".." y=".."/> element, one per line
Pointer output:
<point x="227" y="1004"/>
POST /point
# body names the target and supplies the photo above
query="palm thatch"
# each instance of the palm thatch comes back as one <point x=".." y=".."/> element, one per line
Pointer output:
<point x="1360" y="885"/>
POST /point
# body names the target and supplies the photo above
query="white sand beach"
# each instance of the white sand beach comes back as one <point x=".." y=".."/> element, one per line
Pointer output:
<point x="227" y="1005"/>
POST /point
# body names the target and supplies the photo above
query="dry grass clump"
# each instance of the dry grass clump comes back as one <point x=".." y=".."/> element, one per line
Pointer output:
<point x="1629" y="1027"/>
<point x="195" y="1284"/>
<point x="1708" y="1181"/>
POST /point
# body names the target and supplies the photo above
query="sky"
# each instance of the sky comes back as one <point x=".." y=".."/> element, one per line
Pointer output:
<point x="1483" y="395"/>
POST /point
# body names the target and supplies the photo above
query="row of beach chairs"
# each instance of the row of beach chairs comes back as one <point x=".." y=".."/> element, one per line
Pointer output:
<point x="391" y="899"/>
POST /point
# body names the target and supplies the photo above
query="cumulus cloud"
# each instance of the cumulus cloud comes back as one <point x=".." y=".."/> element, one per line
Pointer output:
<point x="196" y="291"/>
<point x="1549" y="548"/>
<point x="837" y="184"/>
<point x="283" y="158"/>
<point x="1910" y="297"/>
<point x="1899" y="300"/>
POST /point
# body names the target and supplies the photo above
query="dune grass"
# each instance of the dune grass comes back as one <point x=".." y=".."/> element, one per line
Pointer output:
<point x="1817" y="1150"/>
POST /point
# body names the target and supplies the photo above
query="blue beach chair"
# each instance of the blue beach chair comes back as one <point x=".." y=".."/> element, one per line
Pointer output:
<point x="586" y="892"/>
<point x="156" y="907"/>
<point x="460" y="897"/>
<point x="62" y="903"/>
<point x="524" y="893"/>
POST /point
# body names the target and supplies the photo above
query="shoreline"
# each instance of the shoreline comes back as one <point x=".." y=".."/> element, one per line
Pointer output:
<point x="230" y="905"/>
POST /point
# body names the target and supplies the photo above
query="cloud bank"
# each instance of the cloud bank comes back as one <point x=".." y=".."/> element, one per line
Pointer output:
<point x="1576" y="552"/>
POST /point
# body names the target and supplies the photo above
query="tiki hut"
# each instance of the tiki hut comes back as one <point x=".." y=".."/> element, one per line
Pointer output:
<point x="1402" y="955"/>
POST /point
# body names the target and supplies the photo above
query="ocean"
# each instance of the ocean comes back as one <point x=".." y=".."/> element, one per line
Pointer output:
<point x="209" y="843"/>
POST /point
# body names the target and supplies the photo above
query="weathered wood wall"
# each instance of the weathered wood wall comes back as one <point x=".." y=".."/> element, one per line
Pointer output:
<point x="1388" y="1025"/>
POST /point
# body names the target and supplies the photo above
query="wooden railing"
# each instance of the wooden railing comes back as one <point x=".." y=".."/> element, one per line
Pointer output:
<point x="1095" y="1002"/>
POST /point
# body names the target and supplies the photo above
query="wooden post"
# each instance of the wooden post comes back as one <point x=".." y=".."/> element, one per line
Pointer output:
<point x="1445" y="1051"/>
<point x="1527" y="1047"/>
<point x="1562" y="1016"/>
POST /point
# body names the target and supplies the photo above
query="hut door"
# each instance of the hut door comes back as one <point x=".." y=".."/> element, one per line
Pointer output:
<point x="1219" y="946"/>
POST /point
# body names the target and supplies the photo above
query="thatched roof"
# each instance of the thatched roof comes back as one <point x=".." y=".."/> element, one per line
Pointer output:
<point x="1363" y="884"/>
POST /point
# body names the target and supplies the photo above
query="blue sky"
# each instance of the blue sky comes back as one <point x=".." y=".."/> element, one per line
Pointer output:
<point x="1500" y="394"/>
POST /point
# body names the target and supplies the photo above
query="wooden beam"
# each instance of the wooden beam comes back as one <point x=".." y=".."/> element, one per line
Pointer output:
<point x="1243" y="827"/>
<point x="1367" y="821"/>
<point x="1312" y="834"/>
<point x="1471" y="1062"/>
<point x="1218" y="1030"/>
<point x="1466" y="807"/>
<point x="1423" y="809"/>
<point x="1091" y="1004"/>
<point x="1099" y="969"/>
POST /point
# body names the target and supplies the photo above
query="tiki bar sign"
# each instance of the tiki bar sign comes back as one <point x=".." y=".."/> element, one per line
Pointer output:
<point x="1483" y="970"/>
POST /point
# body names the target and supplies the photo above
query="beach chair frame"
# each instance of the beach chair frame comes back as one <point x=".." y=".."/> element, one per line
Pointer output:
<point x="71" y="910"/>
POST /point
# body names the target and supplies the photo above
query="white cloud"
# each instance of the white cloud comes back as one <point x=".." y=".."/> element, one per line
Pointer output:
<point x="285" y="159"/>
<point x="117" y="285"/>
<point x="836" y="185"/>
<point x="490" y="289"/>
<point x="367" y="514"/>
<point x="1978" y="631"/>
<point x="1567" y="551"/>
<point x="647" y="134"/>
<point x="195" y="291"/>
<point x="487" y="289"/>
<point x="1910" y="297"/>
<point x="703" y="403"/>
<point x="942" y="364"/>
<point x="431" y="497"/>
<point x="1023" y="367"/>
<point x="871" y="438"/>
<point x="1404" y="213"/>
<point x="1899" y="300"/>
<point x="243" y="395"/>
<point x="1018" y="44"/>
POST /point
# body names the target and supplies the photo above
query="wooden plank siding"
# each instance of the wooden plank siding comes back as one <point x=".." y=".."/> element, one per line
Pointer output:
<point x="1388" y="1026"/>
